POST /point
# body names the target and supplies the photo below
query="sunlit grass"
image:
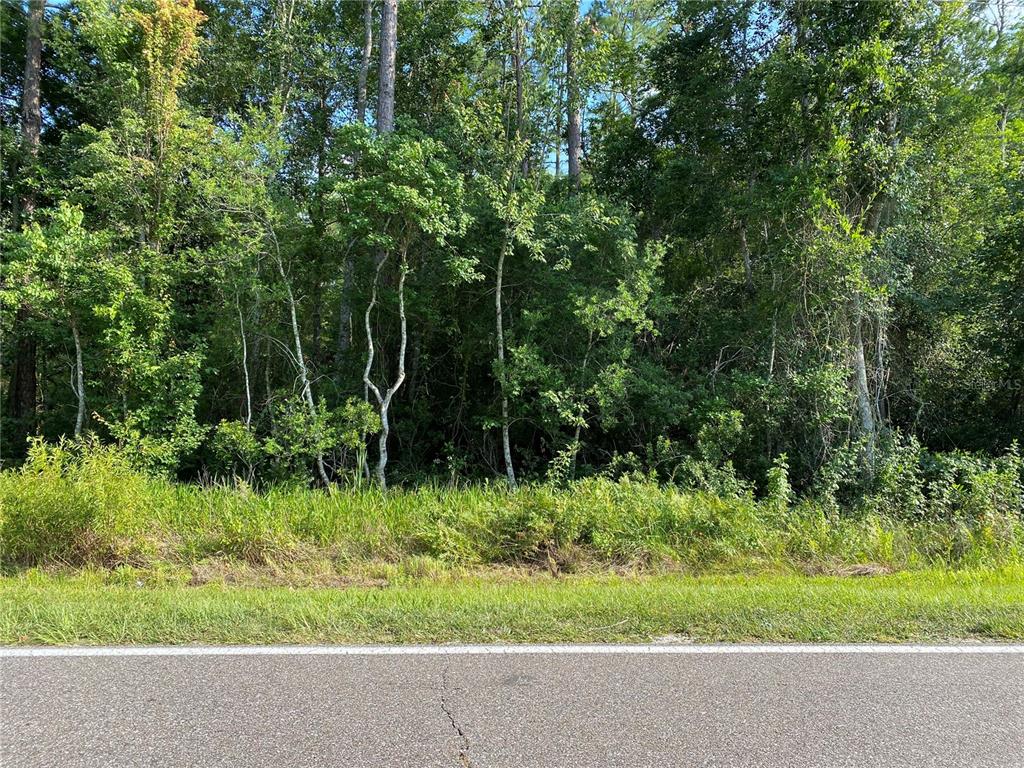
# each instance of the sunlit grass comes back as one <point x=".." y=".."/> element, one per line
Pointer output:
<point x="37" y="608"/>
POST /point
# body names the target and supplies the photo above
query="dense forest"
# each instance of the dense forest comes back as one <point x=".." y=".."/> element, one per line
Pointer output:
<point x="325" y="241"/>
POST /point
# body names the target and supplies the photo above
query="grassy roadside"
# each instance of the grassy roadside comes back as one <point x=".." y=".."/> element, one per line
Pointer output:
<point x="92" y="551"/>
<point x="86" y="608"/>
<point x="96" y="511"/>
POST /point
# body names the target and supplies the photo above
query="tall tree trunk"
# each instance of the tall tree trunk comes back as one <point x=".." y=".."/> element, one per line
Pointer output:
<point x="583" y="407"/>
<point x="371" y="350"/>
<point x="386" y="124"/>
<point x="79" y="380"/>
<point x="31" y="109"/>
<point x="285" y="15"/>
<point x="881" y="372"/>
<point x="558" y="131"/>
<point x="1004" y="115"/>
<point x="345" y="308"/>
<point x="385" y="405"/>
<point x="364" y="64"/>
<point x="388" y="47"/>
<point x="317" y="321"/>
<point x="748" y="272"/>
<point x="24" y="395"/>
<point x="506" y="247"/>
<point x="1001" y="18"/>
<point x="520" y="101"/>
<point x="575" y="139"/>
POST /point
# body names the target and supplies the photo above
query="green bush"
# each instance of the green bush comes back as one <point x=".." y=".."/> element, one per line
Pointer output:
<point x="240" y="451"/>
<point x="972" y="487"/>
<point x="907" y="482"/>
<point x="78" y="502"/>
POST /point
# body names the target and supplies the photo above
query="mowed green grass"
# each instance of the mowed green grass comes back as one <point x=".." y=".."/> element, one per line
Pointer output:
<point x="39" y="608"/>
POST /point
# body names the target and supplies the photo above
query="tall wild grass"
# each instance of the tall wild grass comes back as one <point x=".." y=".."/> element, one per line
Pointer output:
<point x="79" y="505"/>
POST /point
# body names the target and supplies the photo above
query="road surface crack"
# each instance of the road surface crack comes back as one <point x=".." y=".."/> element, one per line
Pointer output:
<point x="464" y="760"/>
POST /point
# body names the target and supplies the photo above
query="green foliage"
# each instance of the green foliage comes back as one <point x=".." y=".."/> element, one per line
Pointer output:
<point x="974" y="488"/>
<point x="297" y="439"/>
<point x="911" y="483"/>
<point x="401" y="188"/>
<point x="790" y="271"/>
<point x="79" y="503"/>
<point x="237" y="450"/>
<point x="779" y="492"/>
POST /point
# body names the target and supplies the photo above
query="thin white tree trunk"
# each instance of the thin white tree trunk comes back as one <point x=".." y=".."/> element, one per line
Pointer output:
<point x="583" y="406"/>
<point x="558" y="132"/>
<point x="499" y="321"/>
<point x="345" y="307"/>
<point x="79" y="380"/>
<point x="385" y="406"/>
<point x="384" y="401"/>
<point x="245" y="363"/>
<point x="748" y="272"/>
<point x="385" y="124"/>
<point x="881" y="374"/>
<point x="285" y="14"/>
<point x="520" y="98"/>
<point x="1001" y="14"/>
<point x="300" y="360"/>
<point x="575" y="138"/>
<point x="864" y="405"/>
<point x="506" y="246"/>
<point x="371" y="350"/>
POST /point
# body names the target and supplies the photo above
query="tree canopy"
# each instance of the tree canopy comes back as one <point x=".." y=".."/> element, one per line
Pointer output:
<point x="695" y="240"/>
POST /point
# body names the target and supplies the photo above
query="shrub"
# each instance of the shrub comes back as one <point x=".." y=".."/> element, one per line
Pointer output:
<point x="237" y="450"/>
<point x="967" y="486"/>
<point x="780" y="492"/>
<point x="298" y="438"/>
<point x="76" y="503"/>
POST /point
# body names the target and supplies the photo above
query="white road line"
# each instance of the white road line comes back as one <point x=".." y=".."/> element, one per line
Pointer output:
<point x="458" y="650"/>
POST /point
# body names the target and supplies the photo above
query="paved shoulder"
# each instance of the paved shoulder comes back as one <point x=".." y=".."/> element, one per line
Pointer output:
<point x="537" y="707"/>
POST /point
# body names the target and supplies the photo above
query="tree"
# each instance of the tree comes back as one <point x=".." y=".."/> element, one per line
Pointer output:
<point x="23" y="394"/>
<point x="69" y="275"/>
<point x="398" y="198"/>
<point x="574" y="101"/>
<point x="364" y="65"/>
<point x="502" y="172"/>
<point x="31" y="108"/>
<point x="388" y="49"/>
<point x="788" y="228"/>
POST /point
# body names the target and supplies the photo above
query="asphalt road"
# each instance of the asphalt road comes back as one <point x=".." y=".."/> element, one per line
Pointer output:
<point x="537" y="709"/>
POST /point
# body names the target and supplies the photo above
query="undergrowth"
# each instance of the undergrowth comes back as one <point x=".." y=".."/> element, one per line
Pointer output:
<point x="74" y="507"/>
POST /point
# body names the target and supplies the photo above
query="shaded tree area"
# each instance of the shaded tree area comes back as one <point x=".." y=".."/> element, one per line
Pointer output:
<point x="385" y="241"/>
